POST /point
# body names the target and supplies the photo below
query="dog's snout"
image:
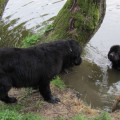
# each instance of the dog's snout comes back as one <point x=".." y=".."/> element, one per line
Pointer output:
<point x="110" y="56"/>
<point x="78" y="61"/>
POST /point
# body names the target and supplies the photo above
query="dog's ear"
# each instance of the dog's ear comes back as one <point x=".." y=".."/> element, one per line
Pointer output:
<point x="75" y="46"/>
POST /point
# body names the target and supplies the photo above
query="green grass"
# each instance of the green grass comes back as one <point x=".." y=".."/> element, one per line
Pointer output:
<point x="58" y="82"/>
<point x="12" y="112"/>
<point x="103" y="116"/>
<point x="14" y="115"/>
<point x="30" y="40"/>
<point x="10" y="115"/>
<point x="79" y="118"/>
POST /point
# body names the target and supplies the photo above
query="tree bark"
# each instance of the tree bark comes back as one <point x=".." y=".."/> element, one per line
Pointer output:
<point x="78" y="19"/>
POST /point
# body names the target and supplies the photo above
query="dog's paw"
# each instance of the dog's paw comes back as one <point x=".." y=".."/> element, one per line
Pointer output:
<point x="9" y="99"/>
<point x="12" y="100"/>
<point x="54" y="100"/>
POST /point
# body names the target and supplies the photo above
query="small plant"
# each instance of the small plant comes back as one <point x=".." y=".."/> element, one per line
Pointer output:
<point x="30" y="40"/>
<point x="58" y="82"/>
<point x="34" y="39"/>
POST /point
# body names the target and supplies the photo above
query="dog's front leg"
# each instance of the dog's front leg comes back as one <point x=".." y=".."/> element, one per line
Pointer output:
<point x="8" y="99"/>
<point x="45" y="91"/>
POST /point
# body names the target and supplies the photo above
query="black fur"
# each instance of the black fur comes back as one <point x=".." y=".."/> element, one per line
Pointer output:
<point x="36" y="66"/>
<point x="114" y="56"/>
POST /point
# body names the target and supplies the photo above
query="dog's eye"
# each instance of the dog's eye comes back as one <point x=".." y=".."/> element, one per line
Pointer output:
<point x="70" y="50"/>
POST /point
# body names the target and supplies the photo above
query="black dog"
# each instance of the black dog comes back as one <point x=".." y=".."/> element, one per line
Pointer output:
<point x="114" y="56"/>
<point x="36" y="66"/>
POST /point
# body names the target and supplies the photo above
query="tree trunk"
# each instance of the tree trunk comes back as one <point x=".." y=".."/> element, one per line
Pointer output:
<point x="78" y="19"/>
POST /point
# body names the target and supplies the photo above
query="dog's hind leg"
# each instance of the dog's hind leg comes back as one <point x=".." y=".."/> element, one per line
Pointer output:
<point x="5" y="86"/>
<point x="45" y="91"/>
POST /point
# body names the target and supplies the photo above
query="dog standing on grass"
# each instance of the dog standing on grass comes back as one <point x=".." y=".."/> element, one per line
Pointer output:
<point x="36" y="66"/>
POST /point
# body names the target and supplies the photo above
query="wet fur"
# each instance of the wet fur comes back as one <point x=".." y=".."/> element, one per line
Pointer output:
<point x="114" y="56"/>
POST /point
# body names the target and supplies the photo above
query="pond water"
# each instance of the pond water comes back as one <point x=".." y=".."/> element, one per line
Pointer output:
<point x="25" y="17"/>
<point x="94" y="78"/>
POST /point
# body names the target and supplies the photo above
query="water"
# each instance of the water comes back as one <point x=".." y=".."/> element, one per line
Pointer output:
<point x="94" y="78"/>
<point x="97" y="50"/>
<point x="25" y="17"/>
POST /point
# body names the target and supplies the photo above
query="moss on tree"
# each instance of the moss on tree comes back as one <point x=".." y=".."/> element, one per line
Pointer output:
<point x="78" y="19"/>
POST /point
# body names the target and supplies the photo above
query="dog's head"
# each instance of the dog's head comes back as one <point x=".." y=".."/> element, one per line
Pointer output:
<point x="76" y="51"/>
<point x="72" y="54"/>
<point x="114" y="55"/>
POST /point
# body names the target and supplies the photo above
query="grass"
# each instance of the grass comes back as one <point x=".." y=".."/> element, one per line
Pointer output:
<point x="58" y="82"/>
<point x="79" y="118"/>
<point x="30" y="40"/>
<point x="14" y="115"/>
<point x="103" y="116"/>
<point x="12" y="112"/>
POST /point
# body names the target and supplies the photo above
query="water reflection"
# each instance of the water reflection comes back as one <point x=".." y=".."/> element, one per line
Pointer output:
<point x="21" y="18"/>
<point x="10" y="36"/>
<point x="33" y="12"/>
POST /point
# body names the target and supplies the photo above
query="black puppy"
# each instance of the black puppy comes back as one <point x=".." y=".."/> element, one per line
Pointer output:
<point x="36" y="66"/>
<point x="114" y="56"/>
